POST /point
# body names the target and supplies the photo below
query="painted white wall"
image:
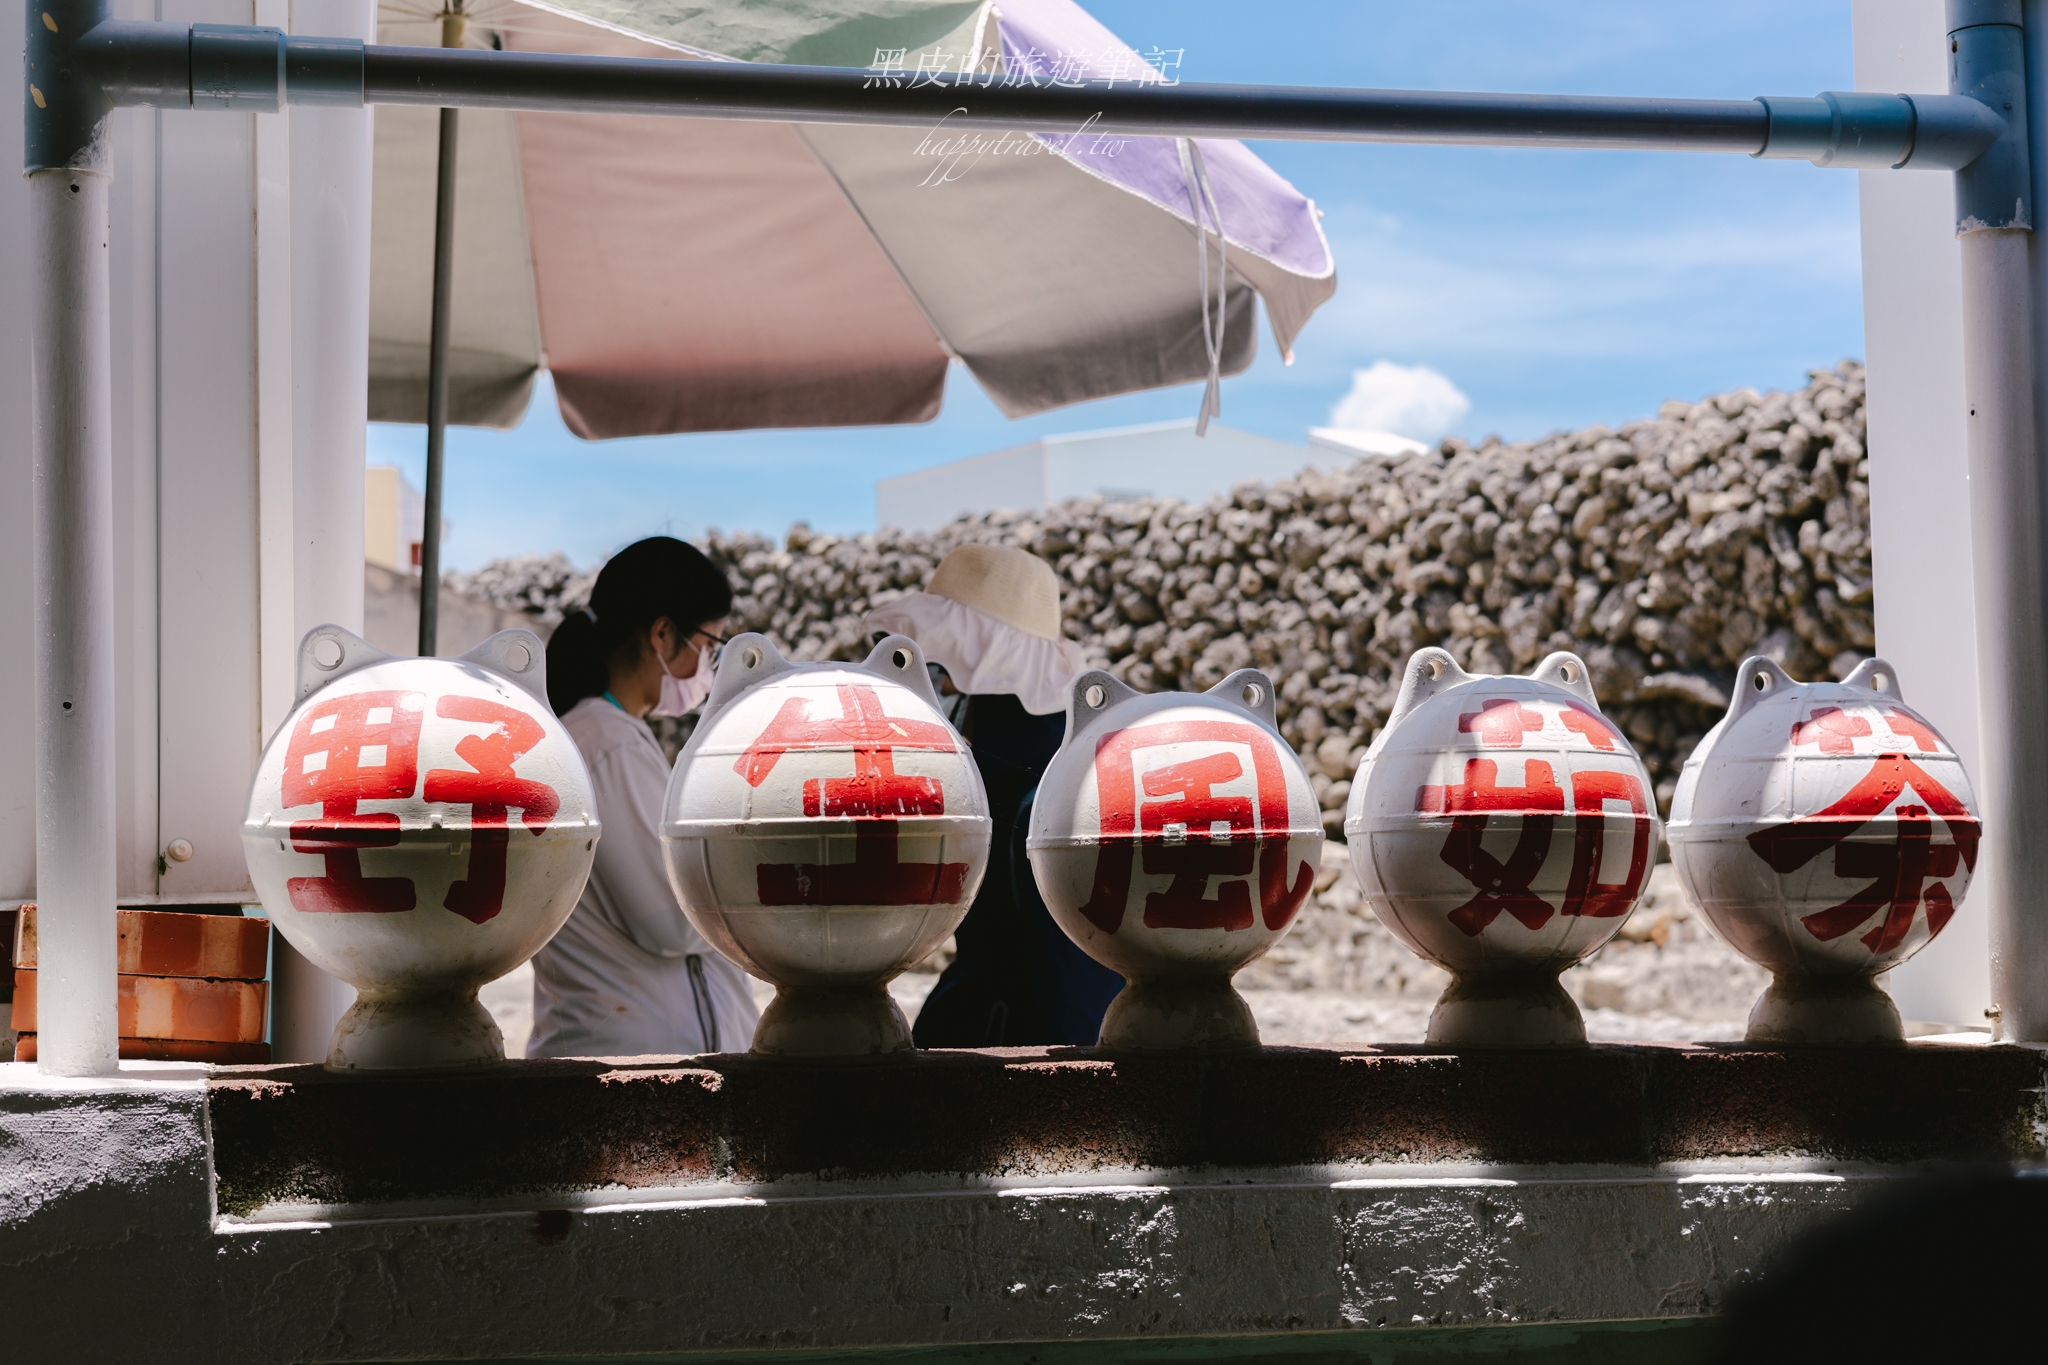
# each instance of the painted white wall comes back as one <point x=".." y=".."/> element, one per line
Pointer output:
<point x="240" y="278"/>
<point x="1165" y="459"/>
<point x="17" y="526"/>
<point x="1919" y="482"/>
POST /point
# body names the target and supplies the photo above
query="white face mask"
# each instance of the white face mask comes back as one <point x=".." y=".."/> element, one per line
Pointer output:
<point x="680" y="696"/>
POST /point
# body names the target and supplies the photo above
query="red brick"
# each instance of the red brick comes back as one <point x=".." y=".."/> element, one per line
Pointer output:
<point x="172" y="943"/>
<point x="168" y="1050"/>
<point x="170" y="1007"/>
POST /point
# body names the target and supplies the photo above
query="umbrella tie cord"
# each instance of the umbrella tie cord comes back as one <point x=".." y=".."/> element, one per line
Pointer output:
<point x="1196" y="176"/>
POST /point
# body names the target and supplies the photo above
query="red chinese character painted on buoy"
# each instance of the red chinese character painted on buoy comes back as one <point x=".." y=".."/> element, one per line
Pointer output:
<point x="360" y="747"/>
<point x="1832" y="728"/>
<point x="1179" y="830"/>
<point x="491" y="793"/>
<point x="1503" y="886"/>
<point x="365" y="747"/>
<point x="1194" y="850"/>
<point x="1914" y="729"/>
<point x="1585" y="894"/>
<point x="1595" y="728"/>
<point x="1506" y="885"/>
<point x="874" y="796"/>
<point x="1899" y="870"/>
<point x="1501" y="724"/>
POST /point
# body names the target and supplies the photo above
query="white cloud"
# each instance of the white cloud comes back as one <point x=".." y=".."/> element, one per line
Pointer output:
<point x="1408" y="400"/>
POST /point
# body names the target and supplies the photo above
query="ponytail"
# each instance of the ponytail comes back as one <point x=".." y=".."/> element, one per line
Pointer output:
<point x="649" y="579"/>
<point x="576" y="662"/>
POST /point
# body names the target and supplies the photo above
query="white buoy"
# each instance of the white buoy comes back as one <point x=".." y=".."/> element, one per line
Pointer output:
<point x="1503" y="828"/>
<point x="418" y="827"/>
<point x="1828" y="833"/>
<point x="1174" y="838"/>
<point x="825" y="828"/>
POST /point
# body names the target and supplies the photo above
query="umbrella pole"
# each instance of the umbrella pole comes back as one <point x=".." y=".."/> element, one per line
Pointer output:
<point x="452" y="25"/>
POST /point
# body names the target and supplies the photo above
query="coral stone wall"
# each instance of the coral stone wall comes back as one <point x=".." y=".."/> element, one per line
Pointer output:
<point x="1663" y="551"/>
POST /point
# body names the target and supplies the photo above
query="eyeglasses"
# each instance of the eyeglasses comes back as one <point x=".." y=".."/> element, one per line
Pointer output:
<point x="712" y="651"/>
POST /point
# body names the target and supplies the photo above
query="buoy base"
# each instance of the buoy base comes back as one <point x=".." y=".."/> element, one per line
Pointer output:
<point x="1204" y="1014"/>
<point x="1506" y="1011"/>
<point x="1805" y="1011"/>
<point x="833" y="1021"/>
<point x="405" y="1031"/>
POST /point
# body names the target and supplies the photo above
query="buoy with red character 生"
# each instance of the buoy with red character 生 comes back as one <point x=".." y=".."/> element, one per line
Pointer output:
<point x="824" y="829"/>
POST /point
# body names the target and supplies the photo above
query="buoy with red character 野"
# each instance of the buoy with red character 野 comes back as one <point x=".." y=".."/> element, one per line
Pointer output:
<point x="418" y="827"/>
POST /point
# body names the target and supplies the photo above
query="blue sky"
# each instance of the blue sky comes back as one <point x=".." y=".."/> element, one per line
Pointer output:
<point x="1556" y="289"/>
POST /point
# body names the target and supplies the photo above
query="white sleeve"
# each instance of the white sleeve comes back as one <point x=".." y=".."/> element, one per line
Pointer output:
<point x="631" y="782"/>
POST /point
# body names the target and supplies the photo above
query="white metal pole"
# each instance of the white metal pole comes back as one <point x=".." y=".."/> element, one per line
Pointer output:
<point x="330" y="350"/>
<point x="1994" y="218"/>
<point x="77" y="1030"/>
<point x="2012" y="662"/>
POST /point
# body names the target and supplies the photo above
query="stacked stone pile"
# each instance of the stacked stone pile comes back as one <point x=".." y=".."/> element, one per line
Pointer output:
<point x="1663" y="551"/>
<point x="545" y="587"/>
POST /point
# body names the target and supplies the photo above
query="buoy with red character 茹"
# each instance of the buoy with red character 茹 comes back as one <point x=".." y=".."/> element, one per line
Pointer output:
<point x="824" y="829"/>
<point x="1175" y="837"/>
<point x="1828" y="832"/>
<point x="1503" y="828"/>
<point x="418" y="827"/>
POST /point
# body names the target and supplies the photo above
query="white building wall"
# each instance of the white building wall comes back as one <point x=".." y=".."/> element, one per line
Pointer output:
<point x="240" y="287"/>
<point x="17" y="524"/>
<point x="1919" y="484"/>
<point x="207" y="591"/>
<point x="134" y="279"/>
<point x="933" y="497"/>
<point x="1168" y="461"/>
<point x="1162" y="460"/>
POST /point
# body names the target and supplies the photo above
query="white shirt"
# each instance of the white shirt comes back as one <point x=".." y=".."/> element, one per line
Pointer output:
<point x="627" y="975"/>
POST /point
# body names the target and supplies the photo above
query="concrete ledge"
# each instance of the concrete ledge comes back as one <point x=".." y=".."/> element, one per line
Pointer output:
<point x="1638" y="1341"/>
<point x="295" y="1137"/>
<point x="956" y="1206"/>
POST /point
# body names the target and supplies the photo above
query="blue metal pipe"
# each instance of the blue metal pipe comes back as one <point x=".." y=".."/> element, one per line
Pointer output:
<point x="217" y="66"/>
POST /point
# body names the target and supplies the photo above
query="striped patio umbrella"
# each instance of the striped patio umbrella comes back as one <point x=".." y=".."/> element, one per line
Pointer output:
<point x="680" y="274"/>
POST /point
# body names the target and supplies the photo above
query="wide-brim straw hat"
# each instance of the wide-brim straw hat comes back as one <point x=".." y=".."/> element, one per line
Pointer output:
<point x="991" y="618"/>
<point x="1014" y="586"/>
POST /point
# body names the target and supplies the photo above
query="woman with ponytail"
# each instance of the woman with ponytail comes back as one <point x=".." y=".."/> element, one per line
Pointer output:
<point x="627" y="975"/>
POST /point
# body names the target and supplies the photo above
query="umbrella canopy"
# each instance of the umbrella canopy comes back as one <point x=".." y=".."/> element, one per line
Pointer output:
<point x="680" y="274"/>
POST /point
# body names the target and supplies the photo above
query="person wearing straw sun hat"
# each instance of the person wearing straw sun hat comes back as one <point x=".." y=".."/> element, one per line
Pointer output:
<point x="990" y="621"/>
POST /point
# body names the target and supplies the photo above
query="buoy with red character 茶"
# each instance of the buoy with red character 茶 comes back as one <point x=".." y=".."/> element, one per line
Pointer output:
<point x="1828" y="832"/>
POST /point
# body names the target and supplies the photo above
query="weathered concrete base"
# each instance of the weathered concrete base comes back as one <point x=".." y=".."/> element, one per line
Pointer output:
<point x="1639" y="1341"/>
<point x="416" y="1031"/>
<point x="1803" y="1011"/>
<point x="1506" y="1011"/>
<point x="847" y="1021"/>
<point x="463" y="1220"/>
